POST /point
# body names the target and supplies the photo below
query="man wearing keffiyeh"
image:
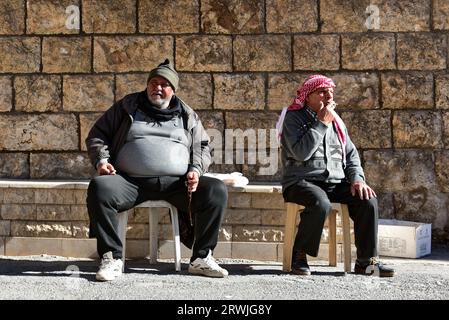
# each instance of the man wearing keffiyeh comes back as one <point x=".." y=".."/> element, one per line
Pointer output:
<point x="321" y="165"/>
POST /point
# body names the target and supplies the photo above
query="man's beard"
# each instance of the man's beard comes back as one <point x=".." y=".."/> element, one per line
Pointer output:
<point x="160" y="103"/>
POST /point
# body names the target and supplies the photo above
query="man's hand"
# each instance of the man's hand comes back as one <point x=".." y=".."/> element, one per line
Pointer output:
<point x="192" y="180"/>
<point x="105" y="168"/>
<point x="325" y="114"/>
<point x="362" y="190"/>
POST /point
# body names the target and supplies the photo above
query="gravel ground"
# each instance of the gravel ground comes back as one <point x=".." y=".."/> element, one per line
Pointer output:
<point x="51" y="277"/>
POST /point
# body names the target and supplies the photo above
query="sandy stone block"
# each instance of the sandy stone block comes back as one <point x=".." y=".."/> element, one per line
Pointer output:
<point x="5" y="94"/>
<point x="38" y="93"/>
<point x="52" y="16"/>
<point x="402" y="170"/>
<point x="254" y="251"/>
<point x="282" y="89"/>
<point x="440" y="15"/>
<point x="129" y="83"/>
<point x="196" y="90"/>
<point x="212" y="121"/>
<point x="86" y="122"/>
<point x="442" y="174"/>
<point x="423" y="205"/>
<point x="239" y="200"/>
<point x="421" y="51"/>
<point x="18" y="212"/>
<point x="386" y="208"/>
<point x="267" y="167"/>
<point x="445" y="116"/>
<point x="5" y="227"/>
<point x="177" y="16"/>
<point x="302" y="16"/>
<point x="267" y="201"/>
<point x="242" y="216"/>
<point x="88" y="93"/>
<point x="79" y="248"/>
<point x="251" y="120"/>
<point x="307" y="48"/>
<point x="233" y="16"/>
<point x="54" y="196"/>
<point x="38" y="132"/>
<point x="138" y="249"/>
<point x="25" y="246"/>
<point x="12" y="18"/>
<point x="257" y="234"/>
<point x="14" y="165"/>
<point x="356" y="90"/>
<point x="141" y="215"/>
<point x="132" y="53"/>
<point x="419" y="129"/>
<point x="410" y="90"/>
<point x="137" y="231"/>
<point x="166" y="249"/>
<point x="80" y="229"/>
<point x="239" y="92"/>
<point x="79" y="212"/>
<point x="80" y="196"/>
<point x="360" y="16"/>
<point x="48" y="229"/>
<point x="61" y="165"/>
<point x="204" y="53"/>
<point x="113" y="16"/>
<point x="273" y="217"/>
<point x="19" y="196"/>
<point x="369" y="129"/>
<point x="442" y="91"/>
<point x="2" y="246"/>
<point x="66" y="54"/>
<point x="54" y="212"/>
<point x="372" y="51"/>
<point x="262" y="53"/>
<point x="20" y="55"/>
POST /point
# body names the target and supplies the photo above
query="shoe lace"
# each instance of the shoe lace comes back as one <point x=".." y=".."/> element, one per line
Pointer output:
<point x="106" y="263"/>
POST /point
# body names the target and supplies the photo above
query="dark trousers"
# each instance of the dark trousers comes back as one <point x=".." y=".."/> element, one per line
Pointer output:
<point x="316" y="197"/>
<point x="109" y="194"/>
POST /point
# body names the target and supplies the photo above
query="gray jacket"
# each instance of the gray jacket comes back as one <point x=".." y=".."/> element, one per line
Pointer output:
<point x="109" y="134"/>
<point x="302" y="134"/>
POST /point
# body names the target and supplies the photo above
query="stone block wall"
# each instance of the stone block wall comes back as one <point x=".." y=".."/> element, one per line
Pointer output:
<point x="240" y="61"/>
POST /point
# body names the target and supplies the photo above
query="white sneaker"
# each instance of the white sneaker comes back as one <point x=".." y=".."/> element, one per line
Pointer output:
<point x="207" y="267"/>
<point x="110" y="268"/>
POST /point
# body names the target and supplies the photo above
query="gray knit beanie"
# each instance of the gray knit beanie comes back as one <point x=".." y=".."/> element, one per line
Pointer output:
<point x="166" y="70"/>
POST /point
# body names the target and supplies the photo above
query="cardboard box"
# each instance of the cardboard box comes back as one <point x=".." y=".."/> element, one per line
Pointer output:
<point x="404" y="239"/>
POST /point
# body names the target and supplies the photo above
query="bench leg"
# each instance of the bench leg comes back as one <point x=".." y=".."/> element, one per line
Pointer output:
<point x="332" y="228"/>
<point x="346" y="237"/>
<point x="153" y="237"/>
<point x="176" y="238"/>
<point x="289" y="234"/>
<point x="122" y="225"/>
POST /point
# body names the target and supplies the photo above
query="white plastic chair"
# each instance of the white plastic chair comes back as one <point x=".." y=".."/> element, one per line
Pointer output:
<point x="153" y="235"/>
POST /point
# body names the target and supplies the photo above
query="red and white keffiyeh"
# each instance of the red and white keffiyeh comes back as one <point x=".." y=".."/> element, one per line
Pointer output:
<point x="312" y="83"/>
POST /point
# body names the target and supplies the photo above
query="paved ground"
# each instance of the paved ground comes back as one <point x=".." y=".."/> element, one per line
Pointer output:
<point x="50" y="277"/>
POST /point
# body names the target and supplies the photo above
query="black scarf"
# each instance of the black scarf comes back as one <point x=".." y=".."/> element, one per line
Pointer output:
<point x="174" y="108"/>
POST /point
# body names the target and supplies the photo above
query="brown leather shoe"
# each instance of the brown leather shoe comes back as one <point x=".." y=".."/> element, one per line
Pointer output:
<point x="299" y="264"/>
<point x="373" y="267"/>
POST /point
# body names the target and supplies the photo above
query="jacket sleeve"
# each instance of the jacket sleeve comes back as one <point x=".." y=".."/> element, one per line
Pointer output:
<point x="300" y="141"/>
<point x="353" y="169"/>
<point x="200" y="158"/>
<point x="99" y="139"/>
